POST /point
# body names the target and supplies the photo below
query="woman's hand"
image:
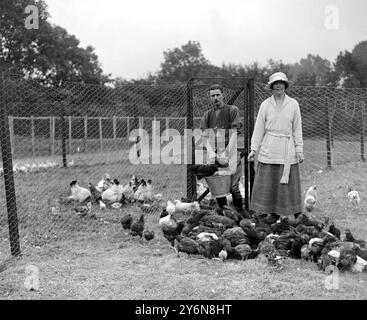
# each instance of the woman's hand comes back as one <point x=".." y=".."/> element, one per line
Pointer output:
<point x="300" y="157"/>
<point x="251" y="156"/>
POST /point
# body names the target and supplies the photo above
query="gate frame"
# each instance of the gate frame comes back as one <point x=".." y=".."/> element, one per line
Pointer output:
<point x="248" y="86"/>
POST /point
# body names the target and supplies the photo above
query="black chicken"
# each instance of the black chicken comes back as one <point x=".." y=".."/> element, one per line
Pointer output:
<point x="335" y="231"/>
<point x="126" y="221"/>
<point x="137" y="227"/>
<point x="169" y="226"/>
<point x="96" y="195"/>
<point x="185" y="244"/>
<point x="148" y="235"/>
<point x="349" y="237"/>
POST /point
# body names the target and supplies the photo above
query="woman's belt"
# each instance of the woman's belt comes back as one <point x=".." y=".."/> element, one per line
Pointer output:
<point x="287" y="166"/>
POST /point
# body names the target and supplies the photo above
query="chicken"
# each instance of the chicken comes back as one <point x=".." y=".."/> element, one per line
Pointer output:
<point x="83" y="210"/>
<point x="116" y="205"/>
<point x="102" y="205"/>
<point x="104" y="183"/>
<point x="140" y="191"/>
<point x="223" y="255"/>
<point x="55" y="211"/>
<point x="206" y="236"/>
<point x="148" y="235"/>
<point x="128" y="193"/>
<point x="349" y="237"/>
<point x="193" y="221"/>
<point x="113" y="193"/>
<point x="148" y="192"/>
<point x="126" y="221"/>
<point x="186" y="206"/>
<point x="32" y="282"/>
<point x="347" y="259"/>
<point x="310" y="199"/>
<point x="335" y="231"/>
<point x="171" y="208"/>
<point x="96" y="195"/>
<point x="353" y="197"/>
<point x="78" y="193"/>
<point x="170" y="228"/>
<point x="243" y="250"/>
<point x="137" y="227"/>
<point x="185" y="244"/>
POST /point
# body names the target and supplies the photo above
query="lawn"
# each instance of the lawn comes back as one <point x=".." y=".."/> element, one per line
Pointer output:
<point x="82" y="258"/>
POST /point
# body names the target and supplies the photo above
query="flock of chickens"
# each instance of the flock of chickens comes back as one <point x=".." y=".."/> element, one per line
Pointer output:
<point x="222" y="233"/>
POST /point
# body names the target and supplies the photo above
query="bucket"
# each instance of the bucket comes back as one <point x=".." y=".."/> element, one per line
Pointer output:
<point x="219" y="186"/>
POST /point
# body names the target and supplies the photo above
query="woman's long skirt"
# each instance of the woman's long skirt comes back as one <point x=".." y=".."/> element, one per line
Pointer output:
<point x="270" y="196"/>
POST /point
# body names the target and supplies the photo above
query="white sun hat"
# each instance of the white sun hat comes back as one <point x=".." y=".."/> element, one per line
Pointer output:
<point x="277" y="76"/>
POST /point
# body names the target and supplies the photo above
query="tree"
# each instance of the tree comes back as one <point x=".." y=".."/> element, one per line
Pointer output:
<point x="346" y="70"/>
<point x="311" y="71"/>
<point x="359" y="54"/>
<point x="180" y="64"/>
<point x="48" y="54"/>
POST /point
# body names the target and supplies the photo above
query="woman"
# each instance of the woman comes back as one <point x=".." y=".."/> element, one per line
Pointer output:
<point x="277" y="140"/>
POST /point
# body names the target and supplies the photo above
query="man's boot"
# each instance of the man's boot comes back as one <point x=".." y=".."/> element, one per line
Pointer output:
<point x="222" y="202"/>
<point x="238" y="204"/>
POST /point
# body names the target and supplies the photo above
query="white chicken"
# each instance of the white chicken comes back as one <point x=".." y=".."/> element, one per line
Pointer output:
<point x="105" y="183"/>
<point x="114" y="193"/>
<point x="206" y="236"/>
<point x="353" y="197"/>
<point x="223" y="255"/>
<point x="32" y="282"/>
<point x="79" y="193"/>
<point x="186" y="206"/>
<point x="102" y="205"/>
<point x="140" y="191"/>
<point x="148" y="192"/>
<point x="310" y="198"/>
<point x="170" y="208"/>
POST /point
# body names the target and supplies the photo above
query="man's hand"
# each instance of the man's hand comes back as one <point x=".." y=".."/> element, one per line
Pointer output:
<point x="300" y="157"/>
<point x="251" y="156"/>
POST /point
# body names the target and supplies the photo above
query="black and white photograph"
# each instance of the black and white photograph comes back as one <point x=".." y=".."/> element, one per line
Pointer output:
<point x="183" y="155"/>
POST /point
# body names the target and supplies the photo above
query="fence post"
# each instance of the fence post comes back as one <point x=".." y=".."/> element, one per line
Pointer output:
<point x="100" y="133"/>
<point x="190" y="178"/>
<point x="328" y="134"/>
<point x="114" y="131"/>
<point x="363" y="119"/>
<point x="7" y="158"/>
<point x="251" y="121"/>
<point x="85" y="132"/>
<point x="64" y="134"/>
<point x="52" y="135"/>
<point x="11" y="130"/>
<point x="32" y="137"/>
<point x="70" y="135"/>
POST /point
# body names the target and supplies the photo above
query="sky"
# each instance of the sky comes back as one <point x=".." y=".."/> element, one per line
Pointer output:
<point x="129" y="36"/>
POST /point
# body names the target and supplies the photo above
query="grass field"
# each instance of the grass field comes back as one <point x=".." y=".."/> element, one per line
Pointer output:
<point x="81" y="258"/>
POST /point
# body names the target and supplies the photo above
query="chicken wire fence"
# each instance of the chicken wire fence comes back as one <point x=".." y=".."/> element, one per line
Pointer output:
<point x="83" y="131"/>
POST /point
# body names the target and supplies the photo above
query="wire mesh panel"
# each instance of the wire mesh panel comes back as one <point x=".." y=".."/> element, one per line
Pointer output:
<point x="97" y="125"/>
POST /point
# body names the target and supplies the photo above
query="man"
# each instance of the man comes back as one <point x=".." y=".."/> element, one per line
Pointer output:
<point x="223" y="116"/>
